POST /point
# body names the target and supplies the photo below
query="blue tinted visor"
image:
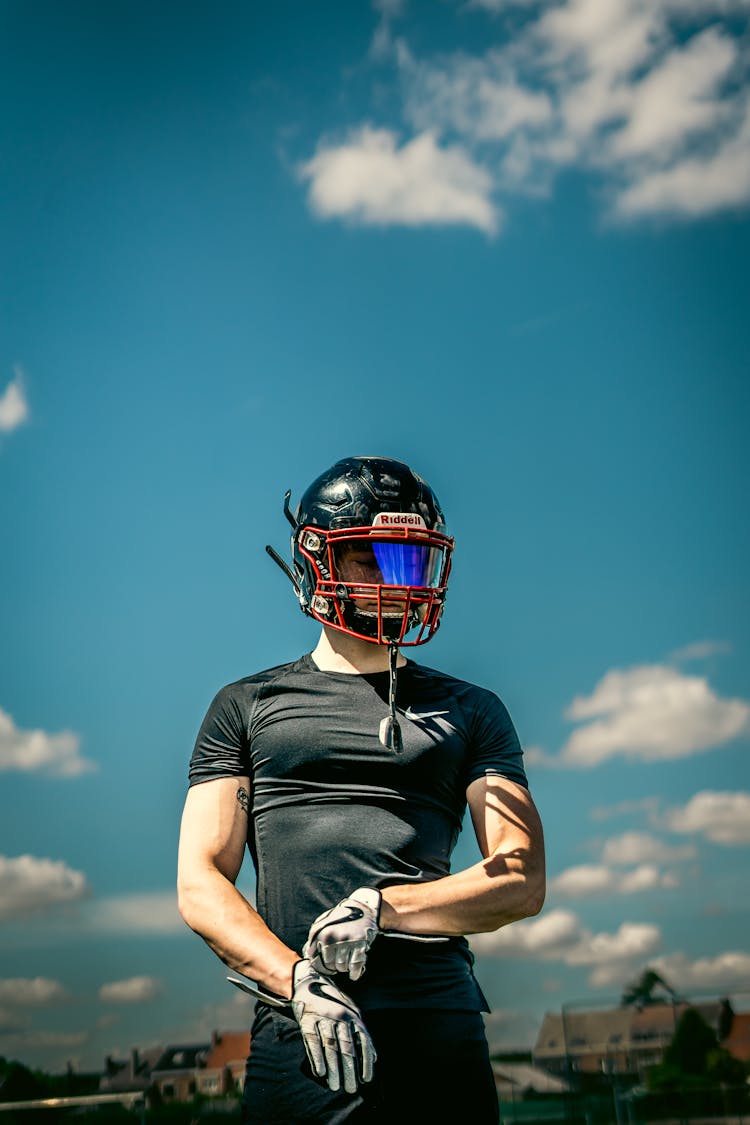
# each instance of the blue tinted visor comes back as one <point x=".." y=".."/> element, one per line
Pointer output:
<point x="389" y="562"/>
<point x="408" y="564"/>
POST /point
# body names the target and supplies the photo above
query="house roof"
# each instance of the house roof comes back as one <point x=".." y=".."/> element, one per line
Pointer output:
<point x="133" y="1073"/>
<point x="228" y="1047"/>
<point x="583" y="1031"/>
<point x="660" y="1020"/>
<point x="185" y="1057"/>
<point x="606" y="1030"/>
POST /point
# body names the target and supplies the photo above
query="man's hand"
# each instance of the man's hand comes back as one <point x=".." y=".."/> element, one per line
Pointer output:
<point x="336" y="1040"/>
<point x="340" y="938"/>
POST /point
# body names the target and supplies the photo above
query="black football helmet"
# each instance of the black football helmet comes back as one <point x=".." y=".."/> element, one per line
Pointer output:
<point x="370" y="552"/>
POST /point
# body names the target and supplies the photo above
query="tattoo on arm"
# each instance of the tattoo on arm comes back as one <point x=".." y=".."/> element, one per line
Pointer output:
<point x="244" y="798"/>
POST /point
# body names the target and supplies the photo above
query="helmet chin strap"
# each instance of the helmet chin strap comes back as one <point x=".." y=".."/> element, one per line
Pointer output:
<point x="287" y="571"/>
<point x="390" y="731"/>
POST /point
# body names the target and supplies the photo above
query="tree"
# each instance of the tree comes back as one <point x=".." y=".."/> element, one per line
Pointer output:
<point x="18" y="1083"/>
<point x="724" y="1068"/>
<point x="692" y="1043"/>
<point x="641" y="992"/>
<point x="694" y="1060"/>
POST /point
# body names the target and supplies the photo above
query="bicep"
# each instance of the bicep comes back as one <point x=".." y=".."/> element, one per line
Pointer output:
<point x="213" y="832"/>
<point x="505" y="819"/>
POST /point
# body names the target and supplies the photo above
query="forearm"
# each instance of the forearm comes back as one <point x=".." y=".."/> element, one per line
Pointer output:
<point x="482" y="898"/>
<point x="212" y="906"/>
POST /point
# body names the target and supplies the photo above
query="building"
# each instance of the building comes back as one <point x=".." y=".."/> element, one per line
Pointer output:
<point x="224" y="1070"/>
<point x="624" y="1040"/>
<point x="175" y="1075"/>
<point x="179" y="1073"/>
<point x="737" y="1040"/>
<point x="134" y="1074"/>
<point x="584" y="1041"/>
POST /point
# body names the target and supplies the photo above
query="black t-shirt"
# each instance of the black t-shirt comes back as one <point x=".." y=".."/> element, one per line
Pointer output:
<point x="332" y="809"/>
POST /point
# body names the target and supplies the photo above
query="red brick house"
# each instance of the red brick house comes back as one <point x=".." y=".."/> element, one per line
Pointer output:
<point x="224" y="1068"/>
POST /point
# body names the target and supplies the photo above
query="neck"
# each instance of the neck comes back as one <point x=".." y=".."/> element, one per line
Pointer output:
<point x="338" y="652"/>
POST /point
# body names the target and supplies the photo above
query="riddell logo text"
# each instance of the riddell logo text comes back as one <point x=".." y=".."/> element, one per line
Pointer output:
<point x="398" y="519"/>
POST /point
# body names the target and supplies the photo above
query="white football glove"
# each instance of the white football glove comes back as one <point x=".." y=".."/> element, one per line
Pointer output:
<point x="336" y="1040"/>
<point x="340" y="938"/>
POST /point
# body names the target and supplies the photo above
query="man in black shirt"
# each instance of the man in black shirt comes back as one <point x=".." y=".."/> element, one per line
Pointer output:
<point x="347" y="773"/>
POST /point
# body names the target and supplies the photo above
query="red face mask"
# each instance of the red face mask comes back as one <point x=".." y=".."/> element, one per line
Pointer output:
<point x="382" y="582"/>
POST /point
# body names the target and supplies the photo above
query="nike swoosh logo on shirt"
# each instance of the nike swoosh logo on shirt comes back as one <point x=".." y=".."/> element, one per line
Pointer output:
<point x="424" y="714"/>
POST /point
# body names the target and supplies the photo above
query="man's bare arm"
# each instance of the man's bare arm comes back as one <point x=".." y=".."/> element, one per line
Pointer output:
<point x="507" y="884"/>
<point x="213" y="835"/>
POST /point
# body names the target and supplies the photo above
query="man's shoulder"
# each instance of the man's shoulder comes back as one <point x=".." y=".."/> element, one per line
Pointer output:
<point x="447" y="679"/>
<point x="473" y="698"/>
<point x="250" y="684"/>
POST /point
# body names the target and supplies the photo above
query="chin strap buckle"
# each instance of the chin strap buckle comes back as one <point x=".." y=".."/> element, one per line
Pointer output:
<point x="390" y="731"/>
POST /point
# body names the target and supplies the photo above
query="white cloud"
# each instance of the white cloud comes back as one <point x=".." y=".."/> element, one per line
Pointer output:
<point x="664" y="122"/>
<point x="536" y="756"/>
<point x="679" y="97"/>
<point x="646" y="877"/>
<point x="368" y="179"/>
<point x="32" y="1040"/>
<point x="559" y="936"/>
<point x="235" y="1010"/>
<point x="12" y="1021"/>
<point x="27" y="991"/>
<point x="151" y="912"/>
<point x="641" y="847"/>
<point x="108" y="1019"/>
<point x="581" y="881"/>
<point x="480" y="98"/>
<point x="649" y="96"/>
<point x="501" y="5"/>
<point x="603" y="40"/>
<point x="722" y="817"/>
<point x="14" y="407"/>
<point x="725" y="970"/>
<point x="382" y="41"/>
<point x="29" y="885"/>
<point x="696" y="184"/>
<point x="28" y="751"/>
<point x="647" y="805"/>
<point x="547" y="936"/>
<point x="651" y="713"/>
<point x="706" y="7"/>
<point x="699" y="650"/>
<point x="629" y="863"/>
<point x="592" y="879"/>
<point x="631" y="941"/>
<point x="134" y="990"/>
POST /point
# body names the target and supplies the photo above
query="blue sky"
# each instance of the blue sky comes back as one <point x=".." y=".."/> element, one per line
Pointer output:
<point x="506" y="242"/>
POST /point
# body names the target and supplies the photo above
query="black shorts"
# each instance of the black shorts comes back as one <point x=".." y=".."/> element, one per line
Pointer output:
<point x="433" y="1065"/>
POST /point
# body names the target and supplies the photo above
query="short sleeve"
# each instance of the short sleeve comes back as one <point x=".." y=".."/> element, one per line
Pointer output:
<point x="495" y="744"/>
<point x="221" y="748"/>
